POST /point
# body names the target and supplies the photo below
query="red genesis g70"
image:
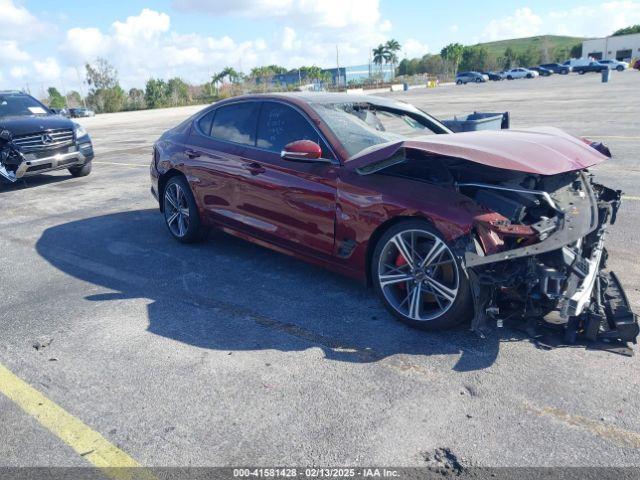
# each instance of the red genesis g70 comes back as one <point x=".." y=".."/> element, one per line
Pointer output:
<point x="446" y="227"/>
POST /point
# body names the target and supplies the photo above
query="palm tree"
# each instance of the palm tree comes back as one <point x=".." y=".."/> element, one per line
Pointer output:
<point x="453" y="53"/>
<point x="380" y="56"/>
<point x="393" y="46"/>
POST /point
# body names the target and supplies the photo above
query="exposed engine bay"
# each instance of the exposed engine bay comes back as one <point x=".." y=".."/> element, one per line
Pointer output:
<point x="536" y="252"/>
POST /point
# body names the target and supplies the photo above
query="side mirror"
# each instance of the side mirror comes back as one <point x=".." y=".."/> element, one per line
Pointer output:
<point x="302" y="150"/>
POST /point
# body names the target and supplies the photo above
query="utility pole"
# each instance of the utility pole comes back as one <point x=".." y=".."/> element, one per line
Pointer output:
<point x="338" y="65"/>
<point x="84" y="103"/>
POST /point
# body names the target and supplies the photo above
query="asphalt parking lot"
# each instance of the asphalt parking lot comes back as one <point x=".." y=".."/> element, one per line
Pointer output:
<point x="225" y="353"/>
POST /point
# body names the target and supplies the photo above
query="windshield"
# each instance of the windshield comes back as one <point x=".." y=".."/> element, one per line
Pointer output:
<point x="362" y="125"/>
<point x="20" y="105"/>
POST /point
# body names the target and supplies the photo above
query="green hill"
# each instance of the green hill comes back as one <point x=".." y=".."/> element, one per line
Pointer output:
<point x="542" y="42"/>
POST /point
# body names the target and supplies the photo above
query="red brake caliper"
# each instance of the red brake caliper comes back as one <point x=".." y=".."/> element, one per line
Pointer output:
<point x="400" y="261"/>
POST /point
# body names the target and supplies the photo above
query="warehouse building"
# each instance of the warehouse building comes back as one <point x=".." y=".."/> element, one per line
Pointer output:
<point x="622" y="47"/>
<point x="342" y="76"/>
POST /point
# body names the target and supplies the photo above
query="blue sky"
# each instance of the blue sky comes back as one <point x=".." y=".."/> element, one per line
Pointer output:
<point x="43" y="42"/>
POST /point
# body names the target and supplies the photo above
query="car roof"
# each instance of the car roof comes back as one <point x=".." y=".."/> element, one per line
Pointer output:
<point x="324" y="98"/>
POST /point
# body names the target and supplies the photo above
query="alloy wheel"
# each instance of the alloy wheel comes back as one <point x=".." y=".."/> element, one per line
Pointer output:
<point x="176" y="210"/>
<point x="418" y="275"/>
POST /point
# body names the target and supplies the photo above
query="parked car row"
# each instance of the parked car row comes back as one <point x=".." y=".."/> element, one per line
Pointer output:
<point x="79" y="112"/>
<point x="579" y="65"/>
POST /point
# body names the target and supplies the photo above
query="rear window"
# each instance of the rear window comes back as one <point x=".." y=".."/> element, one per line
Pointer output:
<point x="236" y="123"/>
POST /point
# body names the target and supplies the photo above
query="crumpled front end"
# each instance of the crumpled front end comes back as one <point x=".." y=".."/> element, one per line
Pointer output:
<point x="539" y="253"/>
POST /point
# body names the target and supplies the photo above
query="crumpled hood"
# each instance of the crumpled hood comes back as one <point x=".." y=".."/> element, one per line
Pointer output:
<point x="542" y="150"/>
<point x="26" y="124"/>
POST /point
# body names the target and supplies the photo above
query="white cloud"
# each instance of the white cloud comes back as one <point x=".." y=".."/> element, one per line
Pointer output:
<point x="288" y="38"/>
<point x="523" y="23"/>
<point x="324" y="13"/>
<point x="581" y="21"/>
<point x="85" y="44"/>
<point x="144" y="45"/>
<point x="454" y="28"/>
<point x="11" y="52"/>
<point x="16" y="20"/>
<point x="47" y="69"/>
<point x="414" y="49"/>
<point x="18" y="72"/>
<point x="597" y="20"/>
<point x="144" y="27"/>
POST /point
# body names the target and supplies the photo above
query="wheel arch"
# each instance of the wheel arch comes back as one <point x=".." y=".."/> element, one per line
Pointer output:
<point x="162" y="183"/>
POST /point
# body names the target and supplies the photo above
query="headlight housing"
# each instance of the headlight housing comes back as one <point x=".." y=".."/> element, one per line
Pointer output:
<point x="79" y="130"/>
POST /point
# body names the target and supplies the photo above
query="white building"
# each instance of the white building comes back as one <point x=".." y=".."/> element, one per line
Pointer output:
<point x="623" y="47"/>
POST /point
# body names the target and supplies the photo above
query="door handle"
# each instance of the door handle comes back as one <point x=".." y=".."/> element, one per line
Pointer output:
<point x="255" y="168"/>
<point x="191" y="153"/>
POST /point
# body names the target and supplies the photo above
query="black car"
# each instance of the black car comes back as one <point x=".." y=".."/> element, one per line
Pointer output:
<point x="557" y="68"/>
<point x="544" y="72"/>
<point x="34" y="140"/>
<point x="494" y="76"/>
<point x="591" y="67"/>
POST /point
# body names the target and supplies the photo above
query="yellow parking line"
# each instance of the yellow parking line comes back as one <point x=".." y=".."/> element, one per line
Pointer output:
<point x="124" y="164"/>
<point x="86" y="442"/>
<point x="630" y="197"/>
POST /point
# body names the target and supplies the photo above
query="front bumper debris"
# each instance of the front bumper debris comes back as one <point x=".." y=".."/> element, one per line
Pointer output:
<point x="32" y="164"/>
<point x="563" y="277"/>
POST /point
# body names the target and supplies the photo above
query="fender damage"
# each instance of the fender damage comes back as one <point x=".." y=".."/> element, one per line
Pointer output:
<point x="537" y="252"/>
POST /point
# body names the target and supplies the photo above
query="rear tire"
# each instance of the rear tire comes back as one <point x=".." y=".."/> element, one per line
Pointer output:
<point x="429" y="292"/>
<point x="459" y="82"/>
<point x="509" y="77"/>
<point x="82" y="171"/>
<point x="181" y="211"/>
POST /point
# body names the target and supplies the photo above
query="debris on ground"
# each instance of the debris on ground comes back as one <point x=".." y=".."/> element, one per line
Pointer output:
<point x="42" y="343"/>
<point x="442" y="460"/>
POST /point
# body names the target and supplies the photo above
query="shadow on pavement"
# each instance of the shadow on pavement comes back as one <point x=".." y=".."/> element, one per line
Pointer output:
<point x="228" y="294"/>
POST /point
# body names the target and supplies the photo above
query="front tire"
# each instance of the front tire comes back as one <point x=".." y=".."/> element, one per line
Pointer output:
<point x="181" y="212"/>
<point x="82" y="171"/>
<point x="419" y="279"/>
<point x="619" y="68"/>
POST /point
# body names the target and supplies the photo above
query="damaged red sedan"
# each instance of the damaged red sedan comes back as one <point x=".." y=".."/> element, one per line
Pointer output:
<point x="448" y="228"/>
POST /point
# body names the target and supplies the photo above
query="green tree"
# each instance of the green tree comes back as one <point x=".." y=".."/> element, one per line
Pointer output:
<point x="56" y="100"/>
<point x="135" y="99"/>
<point x="433" y="65"/>
<point x="627" y="30"/>
<point x="380" y="55"/>
<point x="156" y="93"/>
<point x="509" y="58"/>
<point x="452" y="53"/>
<point x="105" y="93"/>
<point x="74" y="99"/>
<point x="178" y="92"/>
<point x="475" y="58"/>
<point x="392" y="47"/>
<point x="530" y="57"/>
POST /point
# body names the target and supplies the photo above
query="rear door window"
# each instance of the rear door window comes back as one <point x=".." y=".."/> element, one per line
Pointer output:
<point x="236" y="123"/>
